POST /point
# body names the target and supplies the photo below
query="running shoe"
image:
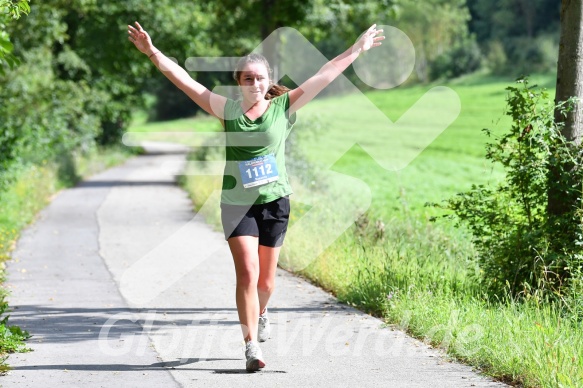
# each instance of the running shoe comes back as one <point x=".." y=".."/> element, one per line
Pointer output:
<point x="254" y="357"/>
<point x="264" y="328"/>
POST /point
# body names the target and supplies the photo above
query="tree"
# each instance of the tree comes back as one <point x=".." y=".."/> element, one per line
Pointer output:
<point x="570" y="67"/>
<point x="518" y="36"/>
<point x="251" y="21"/>
<point x="565" y="179"/>
<point x="439" y="29"/>
<point x="569" y="84"/>
<point x="84" y="43"/>
<point x="8" y="10"/>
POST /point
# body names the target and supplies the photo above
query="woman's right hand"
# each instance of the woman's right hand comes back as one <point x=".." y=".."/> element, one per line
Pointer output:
<point x="140" y="38"/>
<point x="176" y="74"/>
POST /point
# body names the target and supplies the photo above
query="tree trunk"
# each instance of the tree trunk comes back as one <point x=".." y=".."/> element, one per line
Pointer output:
<point x="569" y="84"/>
<point x="570" y="67"/>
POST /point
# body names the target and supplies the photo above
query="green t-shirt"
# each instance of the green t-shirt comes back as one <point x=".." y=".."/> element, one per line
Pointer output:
<point x="253" y="140"/>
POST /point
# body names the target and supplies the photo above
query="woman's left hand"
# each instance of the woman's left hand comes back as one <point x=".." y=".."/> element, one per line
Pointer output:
<point x="370" y="39"/>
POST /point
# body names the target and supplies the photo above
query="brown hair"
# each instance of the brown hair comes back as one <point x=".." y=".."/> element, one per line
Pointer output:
<point x="274" y="89"/>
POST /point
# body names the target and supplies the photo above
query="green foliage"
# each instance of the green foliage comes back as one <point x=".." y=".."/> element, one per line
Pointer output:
<point x="495" y="57"/>
<point x="183" y="30"/>
<point x="14" y="8"/>
<point x="497" y="19"/>
<point x="461" y="58"/>
<point x="62" y="119"/>
<point x="521" y="246"/>
<point x="530" y="45"/>
<point x="83" y="41"/>
<point x="439" y="30"/>
<point x="11" y="337"/>
<point x="79" y="78"/>
<point x="9" y="9"/>
<point x="172" y="103"/>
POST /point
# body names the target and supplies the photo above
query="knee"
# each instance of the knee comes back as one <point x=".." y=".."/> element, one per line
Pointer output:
<point x="247" y="277"/>
<point x="265" y="285"/>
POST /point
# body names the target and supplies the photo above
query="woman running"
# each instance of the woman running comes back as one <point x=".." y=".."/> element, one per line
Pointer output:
<point x="255" y="193"/>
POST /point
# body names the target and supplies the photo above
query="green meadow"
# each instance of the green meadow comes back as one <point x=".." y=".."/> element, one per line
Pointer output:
<point x="392" y="261"/>
<point x="449" y="164"/>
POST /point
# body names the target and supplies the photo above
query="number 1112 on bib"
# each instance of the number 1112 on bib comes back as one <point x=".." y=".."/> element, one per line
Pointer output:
<point x="258" y="171"/>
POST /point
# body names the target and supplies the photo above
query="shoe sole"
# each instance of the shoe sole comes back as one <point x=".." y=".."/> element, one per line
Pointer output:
<point x="255" y="365"/>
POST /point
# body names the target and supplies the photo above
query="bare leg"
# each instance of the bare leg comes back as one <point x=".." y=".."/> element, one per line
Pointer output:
<point x="267" y="266"/>
<point x="245" y="256"/>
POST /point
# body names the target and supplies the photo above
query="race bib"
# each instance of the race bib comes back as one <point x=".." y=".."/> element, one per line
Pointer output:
<point x="258" y="171"/>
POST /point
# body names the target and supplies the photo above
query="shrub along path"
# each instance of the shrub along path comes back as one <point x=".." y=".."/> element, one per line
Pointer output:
<point x="120" y="284"/>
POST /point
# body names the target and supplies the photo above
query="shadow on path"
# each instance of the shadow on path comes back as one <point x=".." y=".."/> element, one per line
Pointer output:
<point x="68" y="325"/>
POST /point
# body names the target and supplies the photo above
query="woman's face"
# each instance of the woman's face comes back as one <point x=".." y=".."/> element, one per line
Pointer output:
<point x="254" y="82"/>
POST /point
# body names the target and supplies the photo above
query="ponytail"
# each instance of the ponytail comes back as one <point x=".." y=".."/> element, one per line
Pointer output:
<point x="276" y="91"/>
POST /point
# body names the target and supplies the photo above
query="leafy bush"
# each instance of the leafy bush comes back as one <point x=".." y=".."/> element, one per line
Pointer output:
<point x="496" y="59"/>
<point x="463" y="57"/>
<point x="519" y="55"/>
<point x="58" y="117"/>
<point x="523" y="247"/>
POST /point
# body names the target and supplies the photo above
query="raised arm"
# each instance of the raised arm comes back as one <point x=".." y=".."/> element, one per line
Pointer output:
<point x="304" y="93"/>
<point x="212" y="103"/>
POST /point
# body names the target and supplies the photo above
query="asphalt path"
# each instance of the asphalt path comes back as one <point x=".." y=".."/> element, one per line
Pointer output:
<point x="121" y="284"/>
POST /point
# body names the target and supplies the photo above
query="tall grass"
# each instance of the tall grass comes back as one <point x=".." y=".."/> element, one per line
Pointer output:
<point x="434" y="294"/>
<point x="524" y="343"/>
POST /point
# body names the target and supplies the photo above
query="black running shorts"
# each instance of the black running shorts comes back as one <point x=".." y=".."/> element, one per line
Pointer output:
<point x="267" y="221"/>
